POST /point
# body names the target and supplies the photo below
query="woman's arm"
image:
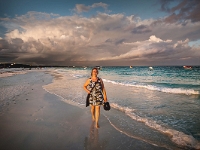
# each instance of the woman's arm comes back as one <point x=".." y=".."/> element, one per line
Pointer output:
<point x="104" y="91"/>
<point x="85" y="86"/>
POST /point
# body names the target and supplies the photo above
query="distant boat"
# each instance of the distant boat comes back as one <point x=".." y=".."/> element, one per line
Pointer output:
<point x="131" y="67"/>
<point x="150" y="68"/>
<point x="187" y="67"/>
<point x="85" y="67"/>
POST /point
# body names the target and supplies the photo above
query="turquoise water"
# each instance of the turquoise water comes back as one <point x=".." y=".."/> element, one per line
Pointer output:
<point x="159" y="106"/>
<point x="165" y="79"/>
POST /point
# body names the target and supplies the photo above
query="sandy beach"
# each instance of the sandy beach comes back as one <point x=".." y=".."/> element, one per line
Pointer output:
<point x="36" y="119"/>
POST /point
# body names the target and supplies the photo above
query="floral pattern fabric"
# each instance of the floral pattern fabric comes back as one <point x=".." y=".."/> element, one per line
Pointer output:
<point x="96" y="96"/>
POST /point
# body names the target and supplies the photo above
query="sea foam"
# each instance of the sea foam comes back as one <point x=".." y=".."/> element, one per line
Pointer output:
<point x="177" y="137"/>
<point x="155" y="88"/>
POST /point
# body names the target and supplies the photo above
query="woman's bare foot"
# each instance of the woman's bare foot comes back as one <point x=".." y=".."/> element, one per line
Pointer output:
<point x="97" y="125"/>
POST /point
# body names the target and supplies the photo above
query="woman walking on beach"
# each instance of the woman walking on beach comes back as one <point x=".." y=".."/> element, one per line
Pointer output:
<point x="95" y="87"/>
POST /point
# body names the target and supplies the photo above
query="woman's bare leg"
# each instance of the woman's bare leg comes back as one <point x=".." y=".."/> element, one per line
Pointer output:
<point x="97" y="114"/>
<point x="93" y="112"/>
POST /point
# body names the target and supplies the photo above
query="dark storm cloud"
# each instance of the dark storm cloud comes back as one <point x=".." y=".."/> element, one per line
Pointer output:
<point x="156" y="51"/>
<point x="8" y="57"/>
<point x="3" y="44"/>
<point x="141" y="29"/>
<point x="7" y="51"/>
<point x="120" y="41"/>
<point x="185" y="10"/>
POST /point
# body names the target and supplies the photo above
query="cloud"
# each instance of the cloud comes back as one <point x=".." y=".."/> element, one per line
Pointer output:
<point x="153" y="38"/>
<point x="141" y="29"/>
<point x="184" y="10"/>
<point x="155" y="48"/>
<point x="82" y="8"/>
<point x="106" y="39"/>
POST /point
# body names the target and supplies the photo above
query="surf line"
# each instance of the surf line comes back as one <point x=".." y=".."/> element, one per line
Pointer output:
<point x="135" y="137"/>
<point x="160" y="89"/>
<point x="177" y="137"/>
<point x="63" y="99"/>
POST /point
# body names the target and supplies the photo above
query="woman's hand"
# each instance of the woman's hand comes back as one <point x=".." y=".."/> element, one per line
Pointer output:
<point x="85" y="86"/>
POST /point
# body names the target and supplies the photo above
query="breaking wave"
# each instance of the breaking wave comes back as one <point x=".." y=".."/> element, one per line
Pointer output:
<point x="156" y="88"/>
<point x="177" y="137"/>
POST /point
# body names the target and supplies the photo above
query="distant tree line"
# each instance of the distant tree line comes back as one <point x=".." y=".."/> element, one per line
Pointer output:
<point x="13" y="65"/>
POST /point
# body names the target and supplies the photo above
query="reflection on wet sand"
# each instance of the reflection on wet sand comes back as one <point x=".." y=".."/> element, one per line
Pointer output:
<point x="92" y="142"/>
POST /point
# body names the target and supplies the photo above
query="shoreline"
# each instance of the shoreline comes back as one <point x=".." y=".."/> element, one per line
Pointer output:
<point x="40" y="120"/>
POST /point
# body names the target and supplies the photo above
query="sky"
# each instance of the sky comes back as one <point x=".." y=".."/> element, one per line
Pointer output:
<point x="100" y="33"/>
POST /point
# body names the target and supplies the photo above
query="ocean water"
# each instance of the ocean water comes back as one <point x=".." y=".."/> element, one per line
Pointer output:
<point x="159" y="106"/>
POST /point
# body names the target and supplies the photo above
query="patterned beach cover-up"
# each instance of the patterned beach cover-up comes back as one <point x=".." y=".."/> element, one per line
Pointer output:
<point x="96" y="96"/>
